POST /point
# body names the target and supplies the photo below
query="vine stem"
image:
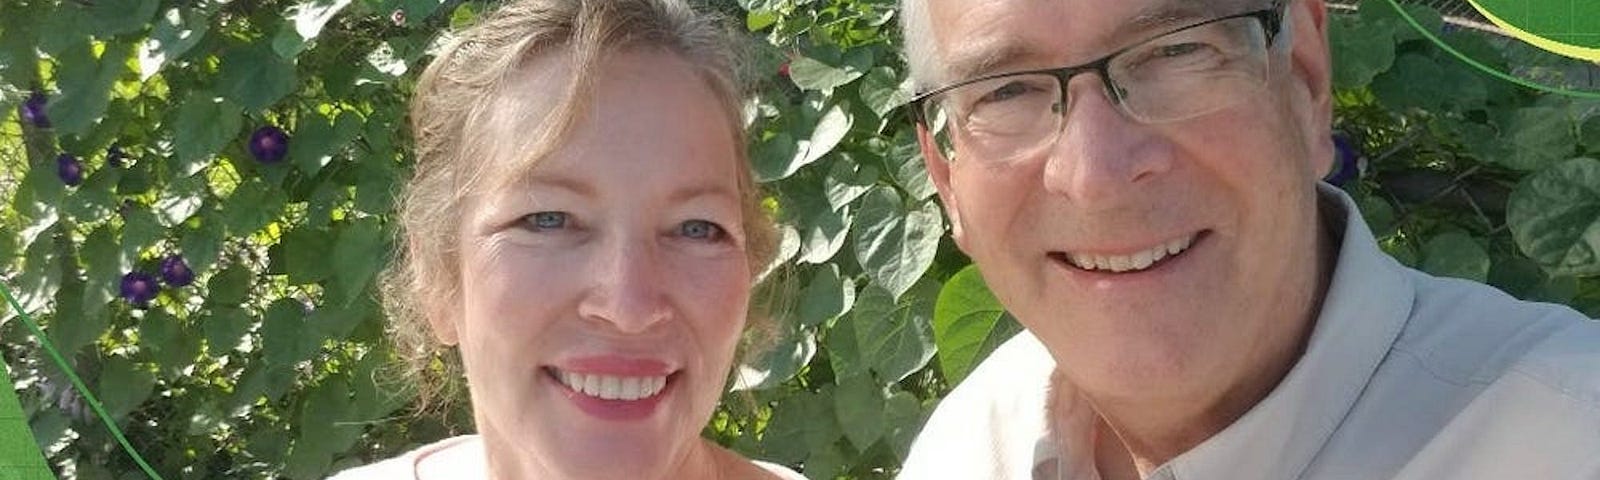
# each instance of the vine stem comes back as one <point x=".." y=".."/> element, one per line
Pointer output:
<point x="77" y="383"/>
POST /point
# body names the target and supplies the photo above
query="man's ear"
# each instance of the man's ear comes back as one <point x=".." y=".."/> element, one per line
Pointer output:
<point x="939" y="169"/>
<point x="1312" y="75"/>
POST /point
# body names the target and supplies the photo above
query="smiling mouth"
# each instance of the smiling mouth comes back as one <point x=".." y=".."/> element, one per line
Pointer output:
<point x="611" y="387"/>
<point x="1131" y="263"/>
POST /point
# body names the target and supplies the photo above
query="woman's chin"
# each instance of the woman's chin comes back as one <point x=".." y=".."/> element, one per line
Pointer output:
<point x="614" y="458"/>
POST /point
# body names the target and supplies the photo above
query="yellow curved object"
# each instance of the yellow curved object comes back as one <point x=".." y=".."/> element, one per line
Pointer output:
<point x="1560" y="48"/>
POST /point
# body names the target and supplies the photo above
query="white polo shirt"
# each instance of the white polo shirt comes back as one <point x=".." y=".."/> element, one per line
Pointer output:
<point x="1406" y="376"/>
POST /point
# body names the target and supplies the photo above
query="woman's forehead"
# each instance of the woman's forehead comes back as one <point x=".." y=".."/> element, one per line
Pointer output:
<point x="644" y="109"/>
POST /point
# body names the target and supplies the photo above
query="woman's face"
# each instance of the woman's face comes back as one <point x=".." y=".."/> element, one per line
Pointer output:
<point x="604" y="288"/>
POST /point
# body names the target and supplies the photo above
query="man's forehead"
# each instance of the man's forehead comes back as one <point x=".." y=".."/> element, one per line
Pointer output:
<point x="983" y="37"/>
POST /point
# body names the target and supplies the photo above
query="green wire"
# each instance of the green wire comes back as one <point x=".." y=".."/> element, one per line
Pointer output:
<point x="78" y="383"/>
<point x="1485" y="68"/>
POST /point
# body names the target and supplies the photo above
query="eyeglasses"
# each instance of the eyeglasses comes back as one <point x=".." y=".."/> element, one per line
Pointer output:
<point x="1179" y="75"/>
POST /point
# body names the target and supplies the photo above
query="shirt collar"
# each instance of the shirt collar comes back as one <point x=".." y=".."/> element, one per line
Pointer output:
<point x="1367" y="303"/>
<point x="1366" y="307"/>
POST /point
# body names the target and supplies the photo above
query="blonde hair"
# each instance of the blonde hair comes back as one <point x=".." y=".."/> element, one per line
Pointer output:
<point x="455" y="97"/>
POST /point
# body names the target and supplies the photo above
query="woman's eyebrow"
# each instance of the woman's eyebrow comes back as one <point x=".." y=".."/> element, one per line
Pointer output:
<point x="558" y="182"/>
<point x="692" y="192"/>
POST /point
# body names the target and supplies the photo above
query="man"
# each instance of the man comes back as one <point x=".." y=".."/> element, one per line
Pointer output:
<point x="1197" y="304"/>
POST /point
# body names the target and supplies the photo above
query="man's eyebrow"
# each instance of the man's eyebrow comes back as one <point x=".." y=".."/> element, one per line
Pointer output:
<point x="972" y="59"/>
<point x="1160" y="17"/>
<point x="980" y="58"/>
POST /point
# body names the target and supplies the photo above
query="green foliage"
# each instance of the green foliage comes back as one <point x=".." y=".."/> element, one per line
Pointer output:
<point x="266" y="365"/>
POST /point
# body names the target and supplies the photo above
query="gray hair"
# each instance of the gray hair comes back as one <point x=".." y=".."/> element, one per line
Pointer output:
<point x="916" y="27"/>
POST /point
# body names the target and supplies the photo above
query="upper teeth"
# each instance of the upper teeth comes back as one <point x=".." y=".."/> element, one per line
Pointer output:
<point x="1125" y="263"/>
<point x="613" y="388"/>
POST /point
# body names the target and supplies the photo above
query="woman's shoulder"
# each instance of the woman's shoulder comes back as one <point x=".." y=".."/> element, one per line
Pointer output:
<point x="406" y="466"/>
<point x="779" y="471"/>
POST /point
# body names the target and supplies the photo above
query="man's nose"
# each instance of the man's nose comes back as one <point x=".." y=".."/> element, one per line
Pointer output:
<point x="625" y="291"/>
<point x="1101" y="152"/>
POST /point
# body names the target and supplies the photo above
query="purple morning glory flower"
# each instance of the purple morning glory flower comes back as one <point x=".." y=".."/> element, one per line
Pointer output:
<point x="69" y="169"/>
<point x="115" y="157"/>
<point x="269" y="144"/>
<point x="1347" y="160"/>
<point x="175" y="272"/>
<point x="138" y="288"/>
<point x="32" y="111"/>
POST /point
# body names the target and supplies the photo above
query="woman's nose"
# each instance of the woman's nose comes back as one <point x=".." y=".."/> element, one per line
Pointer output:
<point x="626" y="287"/>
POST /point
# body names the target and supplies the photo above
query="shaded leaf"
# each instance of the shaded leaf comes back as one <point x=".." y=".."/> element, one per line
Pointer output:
<point x="847" y="181"/>
<point x="968" y="323"/>
<point x="1455" y="254"/>
<point x="176" y="31"/>
<point x="224" y="327"/>
<point x="123" y="386"/>
<point x="109" y="18"/>
<point x="201" y="244"/>
<point x="254" y="76"/>
<point x="826" y="296"/>
<point x="85" y="82"/>
<point x="362" y="249"/>
<point x="905" y="162"/>
<point x="896" y="244"/>
<point x="859" y="403"/>
<point x="769" y="368"/>
<point x="281" y="339"/>
<point x="800" y="424"/>
<point x="1361" y="50"/>
<point x="304" y="255"/>
<point x="1535" y="137"/>
<point x="230" y="287"/>
<point x="905" y="417"/>
<point x="830" y="129"/>
<point x="892" y="338"/>
<point x="204" y="124"/>
<point x="1591" y="133"/>
<point x="825" y="69"/>
<point x="104" y="263"/>
<point x="882" y="92"/>
<point x="1554" y="217"/>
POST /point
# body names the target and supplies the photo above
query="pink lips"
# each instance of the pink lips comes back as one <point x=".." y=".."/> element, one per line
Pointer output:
<point x="618" y="410"/>
<point x="615" y="365"/>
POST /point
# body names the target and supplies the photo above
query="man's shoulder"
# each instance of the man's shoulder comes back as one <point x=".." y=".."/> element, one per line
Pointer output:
<point x="1019" y="365"/>
<point x="991" y="422"/>
<point x="1470" y="333"/>
<point x="1520" y="380"/>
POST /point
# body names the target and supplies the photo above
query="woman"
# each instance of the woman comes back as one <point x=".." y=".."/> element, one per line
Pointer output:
<point x="584" y="229"/>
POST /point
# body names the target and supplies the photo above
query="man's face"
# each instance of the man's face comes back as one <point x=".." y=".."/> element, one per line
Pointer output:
<point x="1061" y="233"/>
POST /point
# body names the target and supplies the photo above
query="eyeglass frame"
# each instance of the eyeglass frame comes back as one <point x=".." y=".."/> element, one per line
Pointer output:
<point x="1272" y="22"/>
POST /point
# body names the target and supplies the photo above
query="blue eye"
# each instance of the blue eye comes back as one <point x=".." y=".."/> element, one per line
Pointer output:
<point x="701" y="230"/>
<point x="547" y="220"/>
